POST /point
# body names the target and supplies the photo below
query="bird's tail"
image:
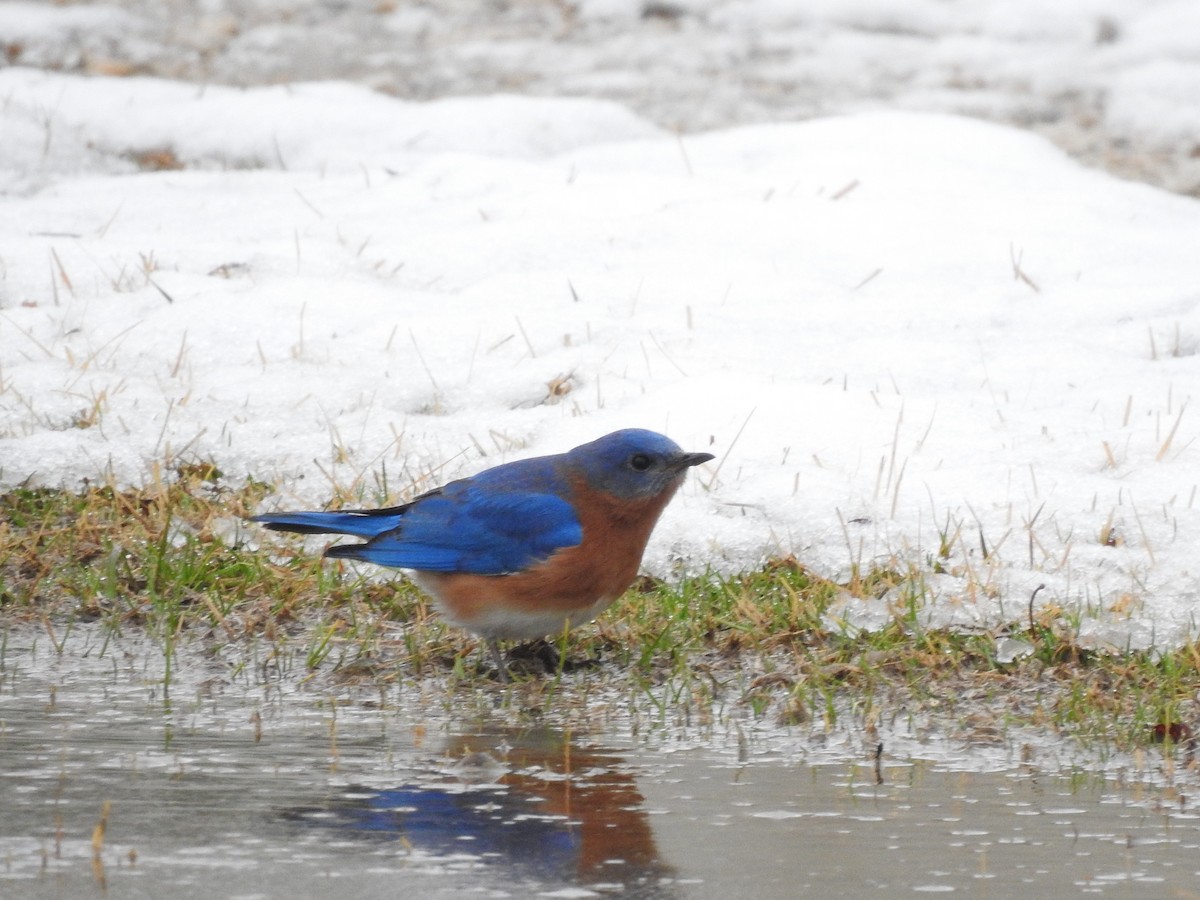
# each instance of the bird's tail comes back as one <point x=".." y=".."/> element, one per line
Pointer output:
<point x="361" y="523"/>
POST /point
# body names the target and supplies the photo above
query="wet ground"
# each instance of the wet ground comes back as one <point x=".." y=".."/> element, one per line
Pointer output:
<point x="251" y="779"/>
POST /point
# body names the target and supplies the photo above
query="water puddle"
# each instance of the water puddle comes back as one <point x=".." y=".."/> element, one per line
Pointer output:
<point x="248" y="784"/>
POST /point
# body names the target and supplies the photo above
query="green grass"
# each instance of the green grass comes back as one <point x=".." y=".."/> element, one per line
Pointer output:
<point x="179" y="561"/>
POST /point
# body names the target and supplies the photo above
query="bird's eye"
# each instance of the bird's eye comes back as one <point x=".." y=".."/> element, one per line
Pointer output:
<point x="640" y="462"/>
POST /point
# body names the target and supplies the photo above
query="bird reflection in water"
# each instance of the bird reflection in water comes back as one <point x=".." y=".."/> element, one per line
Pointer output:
<point x="528" y="801"/>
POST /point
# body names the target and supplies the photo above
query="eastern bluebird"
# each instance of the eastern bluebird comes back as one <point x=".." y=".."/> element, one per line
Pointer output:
<point x="527" y="548"/>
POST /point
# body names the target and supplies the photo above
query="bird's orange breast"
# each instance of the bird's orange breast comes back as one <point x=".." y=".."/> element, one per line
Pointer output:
<point x="572" y="586"/>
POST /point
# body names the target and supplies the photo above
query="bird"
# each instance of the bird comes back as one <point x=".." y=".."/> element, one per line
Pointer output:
<point x="524" y="549"/>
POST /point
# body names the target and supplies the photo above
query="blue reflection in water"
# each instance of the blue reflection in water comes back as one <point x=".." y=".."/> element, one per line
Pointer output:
<point x="491" y="824"/>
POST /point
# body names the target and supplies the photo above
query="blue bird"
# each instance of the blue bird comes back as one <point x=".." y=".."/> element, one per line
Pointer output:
<point x="525" y="549"/>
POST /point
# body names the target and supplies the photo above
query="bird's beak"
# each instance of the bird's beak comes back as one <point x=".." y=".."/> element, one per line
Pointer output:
<point x="687" y="460"/>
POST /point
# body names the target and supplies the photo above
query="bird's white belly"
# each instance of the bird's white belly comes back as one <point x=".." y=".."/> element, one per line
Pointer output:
<point x="503" y="623"/>
<point x="519" y="625"/>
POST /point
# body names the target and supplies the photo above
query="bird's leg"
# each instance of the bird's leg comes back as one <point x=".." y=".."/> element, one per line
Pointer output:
<point x="498" y="658"/>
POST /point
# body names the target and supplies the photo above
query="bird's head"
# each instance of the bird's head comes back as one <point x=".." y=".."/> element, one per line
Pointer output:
<point x="633" y="463"/>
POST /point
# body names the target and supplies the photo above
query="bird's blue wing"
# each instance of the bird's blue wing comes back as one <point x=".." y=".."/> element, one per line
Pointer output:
<point x="474" y="529"/>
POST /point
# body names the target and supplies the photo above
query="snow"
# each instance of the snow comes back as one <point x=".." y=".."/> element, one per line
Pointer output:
<point x="895" y="329"/>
